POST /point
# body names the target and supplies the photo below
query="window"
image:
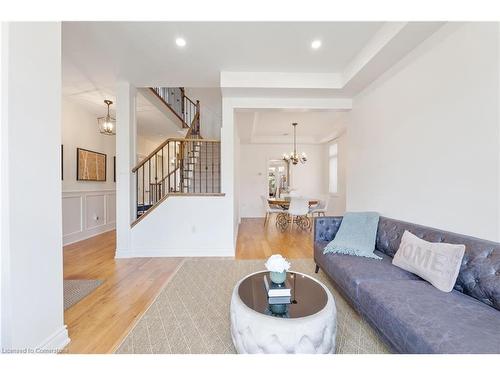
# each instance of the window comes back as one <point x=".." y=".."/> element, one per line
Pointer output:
<point x="333" y="168"/>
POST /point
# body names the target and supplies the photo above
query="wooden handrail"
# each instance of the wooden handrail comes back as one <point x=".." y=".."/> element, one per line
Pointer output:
<point x="169" y="106"/>
<point x="195" y="167"/>
<point x="188" y="99"/>
<point x="187" y="112"/>
<point x="164" y="143"/>
<point x="193" y="126"/>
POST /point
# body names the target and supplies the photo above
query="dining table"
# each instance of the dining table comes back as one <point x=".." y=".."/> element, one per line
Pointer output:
<point x="283" y="220"/>
<point x="284" y="202"/>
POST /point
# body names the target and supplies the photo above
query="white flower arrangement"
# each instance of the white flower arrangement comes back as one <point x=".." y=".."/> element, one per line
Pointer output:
<point x="276" y="263"/>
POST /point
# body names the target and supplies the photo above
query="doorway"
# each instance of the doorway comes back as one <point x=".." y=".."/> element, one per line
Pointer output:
<point x="278" y="178"/>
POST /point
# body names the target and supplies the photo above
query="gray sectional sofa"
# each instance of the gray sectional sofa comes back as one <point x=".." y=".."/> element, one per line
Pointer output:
<point x="410" y="314"/>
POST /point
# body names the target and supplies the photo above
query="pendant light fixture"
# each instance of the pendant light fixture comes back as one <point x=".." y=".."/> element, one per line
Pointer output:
<point x="294" y="157"/>
<point x="107" y="124"/>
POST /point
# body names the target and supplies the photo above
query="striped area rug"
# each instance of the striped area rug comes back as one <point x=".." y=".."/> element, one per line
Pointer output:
<point x="76" y="290"/>
<point x="191" y="314"/>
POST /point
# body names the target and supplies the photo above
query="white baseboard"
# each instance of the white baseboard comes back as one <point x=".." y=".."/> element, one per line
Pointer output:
<point x="56" y="342"/>
<point x="155" y="253"/>
<point x="80" y="236"/>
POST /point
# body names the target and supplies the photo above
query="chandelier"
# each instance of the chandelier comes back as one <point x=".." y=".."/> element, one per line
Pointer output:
<point x="107" y="124"/>
<point x="294" y="157"/>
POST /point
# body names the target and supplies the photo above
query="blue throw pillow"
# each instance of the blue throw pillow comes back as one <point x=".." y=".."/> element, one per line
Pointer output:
<point x="356" y="236"/>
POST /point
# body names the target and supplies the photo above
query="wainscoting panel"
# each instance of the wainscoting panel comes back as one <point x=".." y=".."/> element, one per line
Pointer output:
<point x="111" y="208"/>
<point x="95" y="210"/>
<point x="71" y="212"/>
<point x="87" y="213"/>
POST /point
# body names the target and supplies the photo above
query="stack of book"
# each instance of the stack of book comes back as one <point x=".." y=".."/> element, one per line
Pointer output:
<point x="277" y="293"/>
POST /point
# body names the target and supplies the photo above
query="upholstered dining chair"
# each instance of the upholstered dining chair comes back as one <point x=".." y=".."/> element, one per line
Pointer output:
<point x="270" y="209"/>
<point x="298" y="210"/>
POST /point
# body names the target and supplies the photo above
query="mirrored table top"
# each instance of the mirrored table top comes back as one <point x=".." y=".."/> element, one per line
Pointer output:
<point x="308" y="296"/>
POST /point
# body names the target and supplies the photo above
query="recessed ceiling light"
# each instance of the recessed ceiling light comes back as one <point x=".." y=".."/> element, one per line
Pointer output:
<point x="181" y="42"/>
<point x="316" y="44"/>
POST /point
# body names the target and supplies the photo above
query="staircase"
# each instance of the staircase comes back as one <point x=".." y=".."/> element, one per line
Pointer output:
<point x="179" y="166"/>
<point x="200" y="172"/>
<point x="186" y="110"/>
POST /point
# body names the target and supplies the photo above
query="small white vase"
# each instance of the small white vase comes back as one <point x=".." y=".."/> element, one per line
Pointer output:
<point x="277" y="277"/>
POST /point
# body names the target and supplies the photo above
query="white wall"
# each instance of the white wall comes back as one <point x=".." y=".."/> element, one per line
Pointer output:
<point x="424" y="141"/>
<point x="146" y="145"/>
<point x="32" y="280"/>
<point x="126" y="155"/>
<point x="4" y="170"/>
<point x="88" y="206"/>
<point x="183" y="226"/>
<point x="211" y="109"/>
<point x="79" y="129"/>
<point x="308" y="179"/>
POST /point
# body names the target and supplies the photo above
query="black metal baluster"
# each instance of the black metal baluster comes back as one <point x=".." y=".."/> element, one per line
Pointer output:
<point x="206" y="168"/>
<point x="212" y="165"/>
<point x="137" y="194"/>
<point x="156" y="177"/>
<point x="199" y="167"/>
<point x="149" y="182"/>
<point x="175" y="166"/>
<point x="143" y="189"/>
<point x="162" y="175"/>
<point x="218" y="166"/>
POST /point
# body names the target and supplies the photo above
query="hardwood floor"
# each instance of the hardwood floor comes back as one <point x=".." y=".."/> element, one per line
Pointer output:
<point x="258" y="242"/>
<point x="99" y="322"/>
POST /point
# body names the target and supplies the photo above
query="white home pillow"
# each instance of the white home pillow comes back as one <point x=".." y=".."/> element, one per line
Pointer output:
<point x="438" y="263"/>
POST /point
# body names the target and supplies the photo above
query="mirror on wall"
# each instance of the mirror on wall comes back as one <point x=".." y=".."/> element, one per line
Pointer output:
<point x="278" y="176"/>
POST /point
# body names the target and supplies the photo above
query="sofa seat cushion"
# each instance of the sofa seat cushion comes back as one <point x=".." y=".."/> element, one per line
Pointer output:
<point x="415" y="317"/>
<point x="347" y="271"/>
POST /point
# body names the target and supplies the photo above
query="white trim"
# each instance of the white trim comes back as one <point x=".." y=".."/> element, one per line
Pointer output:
<point x="5" y="287"/>
<point x="280" y="80"/>
<point x="89" y="191"/>
<point x="155" y="253"/>
<point x="55" y="342"/>
<point x="498" y="140"/>
<point x="78" y="236"/>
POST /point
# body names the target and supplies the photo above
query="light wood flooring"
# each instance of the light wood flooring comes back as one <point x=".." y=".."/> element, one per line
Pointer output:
<point x="258" y="242"/>
<point x="100" y="321"/>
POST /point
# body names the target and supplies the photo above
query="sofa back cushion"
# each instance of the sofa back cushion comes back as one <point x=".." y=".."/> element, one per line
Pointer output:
<point x="479" y="275"/>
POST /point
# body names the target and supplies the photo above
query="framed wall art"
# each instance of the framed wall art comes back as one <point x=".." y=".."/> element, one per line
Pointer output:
<point x="90" y="165"/>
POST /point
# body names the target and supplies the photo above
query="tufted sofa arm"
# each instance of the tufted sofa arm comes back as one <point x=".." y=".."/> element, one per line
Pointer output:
<point x="326" y="227"/>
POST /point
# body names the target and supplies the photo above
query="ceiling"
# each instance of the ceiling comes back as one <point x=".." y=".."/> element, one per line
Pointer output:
<point x="245" y="59"/>
<point x="153" y="123"/>
<point x="145" y="52"/>
<point x="97" y="54"/>
<point x="275" y="126"/>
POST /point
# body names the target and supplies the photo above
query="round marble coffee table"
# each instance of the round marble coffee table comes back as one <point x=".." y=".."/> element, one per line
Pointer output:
<point x="308" y="324"/>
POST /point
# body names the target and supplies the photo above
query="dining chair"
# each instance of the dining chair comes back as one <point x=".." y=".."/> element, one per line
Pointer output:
<point x="293" y="193"/>
<point x="270" y="210"/>
<point x="321" y="209"/>
<point x="298" y="210"/>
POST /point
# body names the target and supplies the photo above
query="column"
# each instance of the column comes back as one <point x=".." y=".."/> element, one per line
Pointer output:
<point x="126" y="132"/>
